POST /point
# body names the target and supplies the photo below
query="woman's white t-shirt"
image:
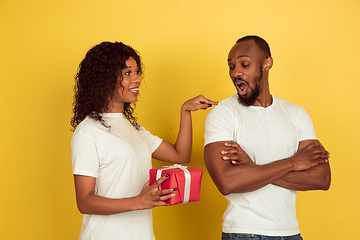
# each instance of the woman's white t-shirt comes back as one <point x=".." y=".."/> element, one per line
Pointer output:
<point x="119" y="158"/>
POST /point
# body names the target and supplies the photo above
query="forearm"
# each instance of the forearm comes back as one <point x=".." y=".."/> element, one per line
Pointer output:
<point x="238" y="178"/>
<point x="183" y="144"/>
<point x="316" y="178"/>
<point x="180" y="152"/>
<point x="253" y="177"/>
<point x="94" y="204"/>
<point x="245" y="177"/>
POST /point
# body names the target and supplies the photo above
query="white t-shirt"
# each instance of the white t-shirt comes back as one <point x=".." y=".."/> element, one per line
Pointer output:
<point x="119" y="159"/>
<point x="266" y="135"/>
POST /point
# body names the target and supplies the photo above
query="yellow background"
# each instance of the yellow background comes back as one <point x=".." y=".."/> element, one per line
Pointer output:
<point x="184" y="45"/>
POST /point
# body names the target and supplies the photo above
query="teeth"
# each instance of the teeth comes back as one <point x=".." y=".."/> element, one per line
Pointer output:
<point x="134" y="90"/>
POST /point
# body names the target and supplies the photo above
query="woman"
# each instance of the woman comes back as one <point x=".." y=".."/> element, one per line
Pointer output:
<point x="111" y="152"/>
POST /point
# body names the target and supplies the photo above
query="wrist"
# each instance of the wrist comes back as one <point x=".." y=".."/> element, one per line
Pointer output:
<point x="292" y="163"/>
<point x="184" y="108"/>
<point x="136" y="203"/>
<point x="185" y="113"/>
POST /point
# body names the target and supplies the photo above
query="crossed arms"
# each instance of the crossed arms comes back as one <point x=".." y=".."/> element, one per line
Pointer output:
<point x="233" y="171"/>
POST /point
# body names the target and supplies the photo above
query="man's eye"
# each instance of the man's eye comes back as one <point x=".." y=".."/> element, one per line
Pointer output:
<point x="231" y="67"/>
<point x="246" y="64"/>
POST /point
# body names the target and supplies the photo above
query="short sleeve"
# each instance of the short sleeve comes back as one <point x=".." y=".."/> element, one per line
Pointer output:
<point x="155" y="141"/>
<point x="306" y="127"/>
<point x="219" y="125"/>
<point x="84" y="155"/>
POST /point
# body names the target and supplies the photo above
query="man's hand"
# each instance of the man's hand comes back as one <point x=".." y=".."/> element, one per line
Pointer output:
<point x="310" y="156"/>
<point x="315" y="178"/>
<point x="235" y="154"/>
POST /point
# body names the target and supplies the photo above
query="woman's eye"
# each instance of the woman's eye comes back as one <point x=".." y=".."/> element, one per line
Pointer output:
<point x="137" y="72"/>
<point x="127" y="73"/>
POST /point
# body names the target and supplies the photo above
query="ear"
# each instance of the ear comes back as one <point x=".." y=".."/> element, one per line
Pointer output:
<point x="268" y="62"/>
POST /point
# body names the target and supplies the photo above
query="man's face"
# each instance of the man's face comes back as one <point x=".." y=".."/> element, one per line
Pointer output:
<point x="245" y="70"/>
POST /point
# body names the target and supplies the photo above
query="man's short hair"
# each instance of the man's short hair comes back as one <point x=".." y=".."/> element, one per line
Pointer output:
<point x="260" y="43"/>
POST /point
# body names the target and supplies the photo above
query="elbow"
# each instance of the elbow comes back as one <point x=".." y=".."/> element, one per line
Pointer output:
<point x="183" y="160"/>
<point x="224" y="191"/>
<point x="227" y="186"/>
<point x="322" y="183"/>
<point x="221" y="185"/>
<point x="326" y="183"/>
<point x="186" y="161"/>
<point x="324" y="180"/>
<point x="81" y="208"/>
<point x="224" y="187"/>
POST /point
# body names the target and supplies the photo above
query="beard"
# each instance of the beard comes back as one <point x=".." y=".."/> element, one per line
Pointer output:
<point x="250" y="98"/>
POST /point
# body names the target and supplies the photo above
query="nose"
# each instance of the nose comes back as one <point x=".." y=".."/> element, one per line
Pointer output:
<point x="238" y="72"/>
<point x="136" y="78"/>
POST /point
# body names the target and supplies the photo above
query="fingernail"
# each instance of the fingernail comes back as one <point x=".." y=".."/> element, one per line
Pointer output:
<point x="167" y="175"/>
<point x="223" y="152"/>
<point x="225" y="157"/>
<point x="172" y="195"/>
<point x="209" y="105"/>
<point x="175" y="188"/>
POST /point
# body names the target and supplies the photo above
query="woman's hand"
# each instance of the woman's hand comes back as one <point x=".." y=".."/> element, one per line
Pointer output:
<point x="196" y="103"/>
<point x="151" y="196"/>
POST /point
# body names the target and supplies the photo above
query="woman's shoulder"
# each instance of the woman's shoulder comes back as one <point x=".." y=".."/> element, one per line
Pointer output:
<point x="87" y="125"/>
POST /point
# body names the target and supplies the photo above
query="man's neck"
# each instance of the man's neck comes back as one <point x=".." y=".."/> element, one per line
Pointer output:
<point x="264" y="100"/>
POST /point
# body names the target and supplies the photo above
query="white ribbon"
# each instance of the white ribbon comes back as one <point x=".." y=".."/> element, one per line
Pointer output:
<point x="187" y="179"/>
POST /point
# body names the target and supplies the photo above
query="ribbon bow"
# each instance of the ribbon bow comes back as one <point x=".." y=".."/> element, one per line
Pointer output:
<point x="187" y="179"/>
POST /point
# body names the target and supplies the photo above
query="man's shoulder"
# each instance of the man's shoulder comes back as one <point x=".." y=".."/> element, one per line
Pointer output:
<point x="286" y="103"/>
<point x="224" y="109"/>
<point x="290" y="108"/>
<point x="229" y="102"/>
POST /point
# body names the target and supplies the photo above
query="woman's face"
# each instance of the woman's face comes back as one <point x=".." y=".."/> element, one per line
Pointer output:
<point x="129" y="89"/>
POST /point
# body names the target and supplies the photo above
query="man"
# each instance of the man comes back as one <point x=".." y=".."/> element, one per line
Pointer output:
<point x="260" y="150"/>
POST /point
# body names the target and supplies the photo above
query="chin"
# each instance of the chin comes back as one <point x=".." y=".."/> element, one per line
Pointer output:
<point x="247" y="102"/>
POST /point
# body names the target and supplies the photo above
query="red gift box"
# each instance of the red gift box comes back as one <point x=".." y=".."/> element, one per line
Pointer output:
<point x="186" y="179"/>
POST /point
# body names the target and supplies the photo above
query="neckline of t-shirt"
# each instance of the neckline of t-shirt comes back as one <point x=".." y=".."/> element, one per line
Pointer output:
<point x="114" y="115"/>
<point x="269" y="107"/>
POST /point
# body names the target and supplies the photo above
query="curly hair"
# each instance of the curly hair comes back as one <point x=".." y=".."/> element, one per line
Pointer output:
<point x="97" y="80"/>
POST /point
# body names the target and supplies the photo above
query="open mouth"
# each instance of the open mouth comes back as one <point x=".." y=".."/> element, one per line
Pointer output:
<point x="241" y="87"/>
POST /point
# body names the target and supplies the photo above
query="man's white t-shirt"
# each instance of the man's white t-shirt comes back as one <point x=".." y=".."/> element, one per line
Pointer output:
<point x="119" y="158"/>
<point x="266" y="135"/>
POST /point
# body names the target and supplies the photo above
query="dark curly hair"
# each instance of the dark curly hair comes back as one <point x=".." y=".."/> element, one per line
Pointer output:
<point x="97" y="79"/>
